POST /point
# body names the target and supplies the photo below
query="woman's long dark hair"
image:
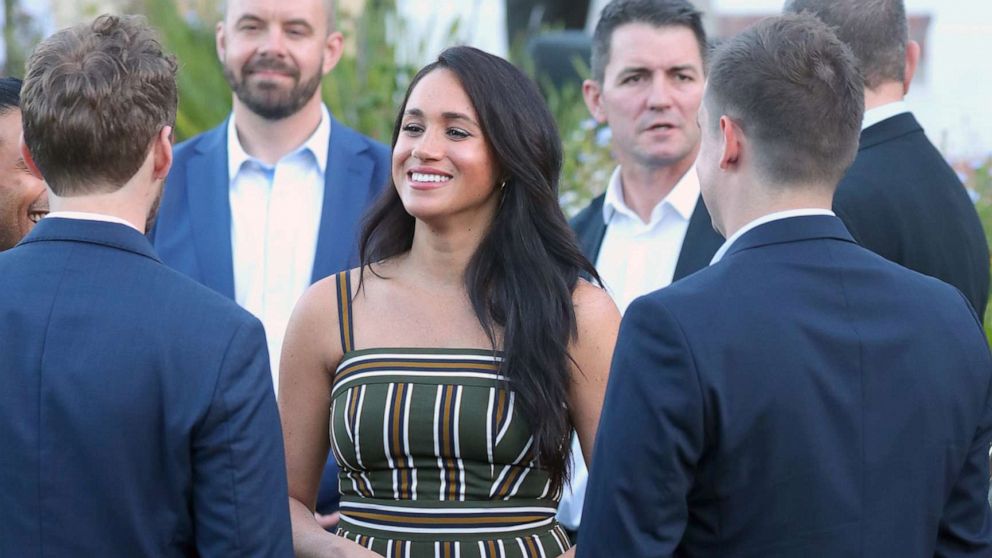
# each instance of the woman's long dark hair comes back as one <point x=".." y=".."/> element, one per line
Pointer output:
<point x="522" y="275"/>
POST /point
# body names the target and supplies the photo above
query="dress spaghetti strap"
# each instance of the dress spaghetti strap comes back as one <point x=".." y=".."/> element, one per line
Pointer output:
<point x="345" y="324"/>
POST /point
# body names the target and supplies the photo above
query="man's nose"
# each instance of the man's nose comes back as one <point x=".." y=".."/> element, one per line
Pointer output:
<point x="274" y="43"/>
<point x="660" y="93"/>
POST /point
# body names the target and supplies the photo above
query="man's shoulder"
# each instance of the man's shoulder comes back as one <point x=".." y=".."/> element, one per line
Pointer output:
<point x="342" y="132"/>
<point x="589" y="215"/>
<point x="201" y="141"/>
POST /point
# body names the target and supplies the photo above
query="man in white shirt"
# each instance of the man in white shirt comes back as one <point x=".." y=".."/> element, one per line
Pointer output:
<point x="650" y="227"/>
<point x="271" y="200"/>
<point x="900" y="198"/>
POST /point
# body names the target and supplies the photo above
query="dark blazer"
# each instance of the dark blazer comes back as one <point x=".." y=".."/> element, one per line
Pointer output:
<point x="801" y="397"/>
<point x="900" y="199"/>
<point x="193" y="230"/>
<point x="700" y="243"/>
<point x="136" y="415"/>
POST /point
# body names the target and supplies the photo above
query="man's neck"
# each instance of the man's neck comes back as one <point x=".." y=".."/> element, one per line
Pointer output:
<point x="644" y="187"/>
<point x="766" y="201"/>
<point x="888" y="92"/>
<point x="270" y="140"/>
<point x="126" y="203"/>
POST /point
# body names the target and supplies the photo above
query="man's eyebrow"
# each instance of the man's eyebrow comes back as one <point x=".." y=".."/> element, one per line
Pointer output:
<point x="249" y="18"/>
<point x="684" y="68"/>
<point x="632" y="70"/>
<point x="299" y="22"/>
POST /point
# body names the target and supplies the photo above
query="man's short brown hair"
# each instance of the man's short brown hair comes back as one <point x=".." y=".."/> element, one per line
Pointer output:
<point x="93" y="99"/>
<point x="875" y="30"/>
<point x="795" y="90"/>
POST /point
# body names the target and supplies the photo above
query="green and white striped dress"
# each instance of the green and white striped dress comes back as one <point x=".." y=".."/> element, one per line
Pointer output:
<point x="435" y="458"/>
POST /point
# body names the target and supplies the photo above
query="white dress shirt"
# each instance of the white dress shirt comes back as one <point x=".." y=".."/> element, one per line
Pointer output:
<point x="87" y="216"/>
<point x="766" y="219"/>
<point x="637" y="257"/>
<point x="634" y="259"/>
<point x="275" y="216"/>
<point x="880" y="113"/>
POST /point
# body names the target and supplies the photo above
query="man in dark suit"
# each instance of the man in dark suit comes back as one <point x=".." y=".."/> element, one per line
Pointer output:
<point x="271" y="200"/>
<point x="900" y="198"/>
<point x="801" y="396"/>
<point x="137" y="416"/>
<point x="650" y="227"/>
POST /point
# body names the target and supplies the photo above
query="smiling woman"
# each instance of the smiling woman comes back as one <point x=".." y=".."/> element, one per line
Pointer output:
<point x="450" y="380"/>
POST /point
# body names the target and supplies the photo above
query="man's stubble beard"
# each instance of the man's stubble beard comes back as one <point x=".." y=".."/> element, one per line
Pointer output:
<point x="272" y="105"/>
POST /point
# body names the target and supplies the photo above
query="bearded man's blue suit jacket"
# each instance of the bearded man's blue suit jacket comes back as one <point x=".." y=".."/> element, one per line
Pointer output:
<point x="803" y="397"/>
<point x="136" y="409"/>
<point x="193" y="231"/>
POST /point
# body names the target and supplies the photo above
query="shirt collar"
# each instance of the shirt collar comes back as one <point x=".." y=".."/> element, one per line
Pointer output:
<point x="880" y="113"/>
<point x="317" y="144"/>
<point x="682" y="198"/>
<point x="766" y="219"/>
<point x="87" y="216"/>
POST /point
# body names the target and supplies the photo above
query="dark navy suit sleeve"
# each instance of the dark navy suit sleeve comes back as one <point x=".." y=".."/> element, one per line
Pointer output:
<point x="240" y="495"/>
<point x="649" y="440"/>
<point x="966" y="524"/>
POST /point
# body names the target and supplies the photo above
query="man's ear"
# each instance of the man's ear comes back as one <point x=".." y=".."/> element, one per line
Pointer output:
<point x="162" y="153"/>
<point x="732" y="139"/>
<point x="220" y="41"/>
<point x="29" y="160"/>
<point x="913" y="52"/>
<point x="592" y="94"/>
<point x="333" y="49"/>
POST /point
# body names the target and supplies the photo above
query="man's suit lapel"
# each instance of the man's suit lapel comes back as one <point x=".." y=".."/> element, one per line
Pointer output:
<point x="792" y="229"/>
<point x="345" y="194"/>
<point x="700" y="244"/>
<point x="210" y="211"/>
<point x="590" y="229"/>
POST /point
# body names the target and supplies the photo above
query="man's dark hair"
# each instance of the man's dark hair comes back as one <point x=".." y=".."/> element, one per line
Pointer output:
<point x="95" y="96"/>
<point x="875" y="30"/>
<point x="659" y="13"/>
<point x="795" y="90"/>
<point x="10" y="94"/>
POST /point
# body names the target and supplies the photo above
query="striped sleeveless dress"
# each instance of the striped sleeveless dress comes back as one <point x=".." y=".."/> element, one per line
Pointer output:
<point x="435" y="458"/>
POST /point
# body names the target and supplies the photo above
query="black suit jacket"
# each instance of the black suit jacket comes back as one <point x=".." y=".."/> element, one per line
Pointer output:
<point x="901" y="200"/>
<point x="701" y="240"/>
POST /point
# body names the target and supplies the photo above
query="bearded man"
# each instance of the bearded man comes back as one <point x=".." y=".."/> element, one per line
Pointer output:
<point x="270" y="201"/>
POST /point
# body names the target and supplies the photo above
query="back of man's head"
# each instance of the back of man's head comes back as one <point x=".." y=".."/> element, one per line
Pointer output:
<point x="658" y="13"/>
<point x="794" y="89"/>
<point x="875" y="30"/>
<point x="95" y="96"/>
<point x="10" y="94"/>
